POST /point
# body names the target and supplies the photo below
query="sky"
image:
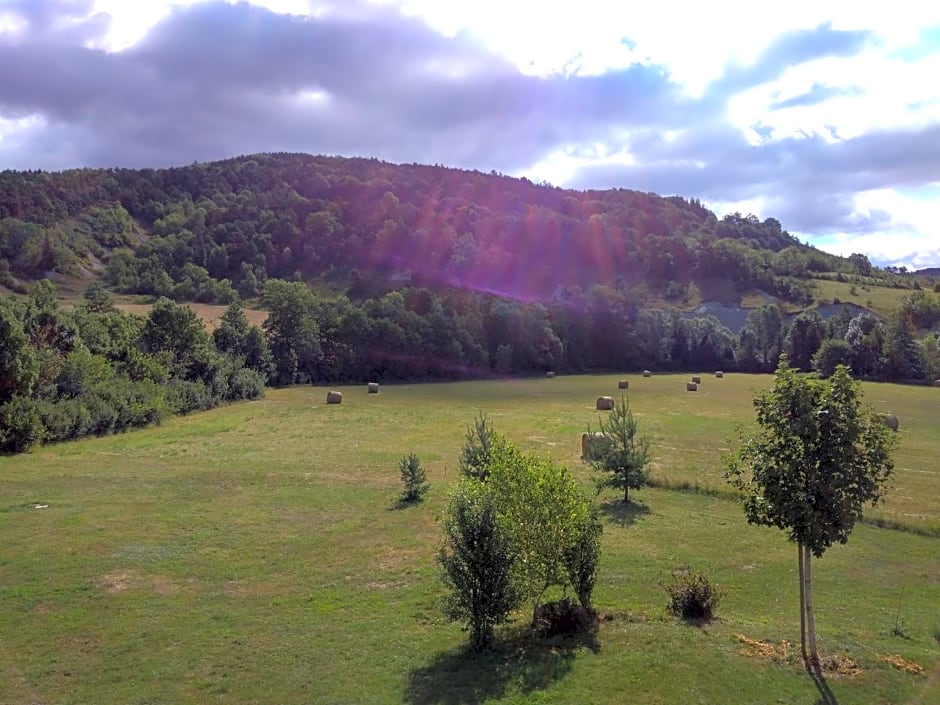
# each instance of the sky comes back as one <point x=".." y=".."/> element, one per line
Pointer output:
<point x="823" y="115"/>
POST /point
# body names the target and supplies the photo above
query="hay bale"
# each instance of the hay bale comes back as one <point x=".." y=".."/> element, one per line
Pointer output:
<point x="889" y="420"/>
<point x="647" y="373"/>
<point x="587" y="442"/>
<point x="936" y="383"/>
<point x="719" y="374"/>
<point x="697" y="379"/>
<point x="623" y="384"/>
<point x="550" y="375"/>
<point x="334" y="397"/>
<point x="373" y="387"/>
<point x="691" y="387"/>
<point x="604" y="403"/>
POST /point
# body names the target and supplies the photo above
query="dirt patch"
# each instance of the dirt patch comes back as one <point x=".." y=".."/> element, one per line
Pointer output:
<point x="116" y="581"/>
<point x="80" y="644"/>
<point x="838" y="665"/>
<point x="764" y="649"/>
<point x="122" y="580"/>
<point x="902" y="664"/>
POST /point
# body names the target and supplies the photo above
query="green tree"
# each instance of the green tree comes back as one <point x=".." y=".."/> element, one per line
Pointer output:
<point x="583" y="557"/>
<point x="97" y="298"/>
<point x="413" y="478"/>
<point x="292" y="331"/>
<point x="543" y="509"/>
<point x="478" y="559"/>
<point x="618" y="454"/>
<point x="803" y="339"/>
<point x="903" y="355"/>
<point x="476" y="455"/>
<point x="815" y="461"/>
<point x="19" y="367"/>
<point x="832" y="353"/>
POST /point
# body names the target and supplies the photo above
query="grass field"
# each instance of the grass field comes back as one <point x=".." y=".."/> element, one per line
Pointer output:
<point x="209" y="313"/>
<point x="881" y="300"/>
<point x="256" y="554"/>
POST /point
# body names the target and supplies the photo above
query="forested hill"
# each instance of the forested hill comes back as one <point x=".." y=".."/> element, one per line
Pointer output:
<point x="365" y="226"/>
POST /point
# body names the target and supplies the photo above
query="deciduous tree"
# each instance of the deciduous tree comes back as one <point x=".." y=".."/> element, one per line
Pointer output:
<point x="816" y="460"/>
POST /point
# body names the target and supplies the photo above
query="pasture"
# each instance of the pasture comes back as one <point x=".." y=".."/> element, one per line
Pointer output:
<point x="257" y="554"/>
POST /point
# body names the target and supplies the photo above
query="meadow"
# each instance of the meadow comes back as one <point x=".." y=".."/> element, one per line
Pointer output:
<point x="257" y="554"/>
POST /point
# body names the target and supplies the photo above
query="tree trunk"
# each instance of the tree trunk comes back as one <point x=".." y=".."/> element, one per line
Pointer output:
<point x="626" y="493"/>
<point x="799" y="556"/>
<point x="810" y="618"/>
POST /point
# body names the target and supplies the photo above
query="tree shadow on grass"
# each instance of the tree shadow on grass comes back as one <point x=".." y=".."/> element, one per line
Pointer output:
<point x="826" y="696"/>
<point x="520" y="663"/>
<point x="623" y="513"/>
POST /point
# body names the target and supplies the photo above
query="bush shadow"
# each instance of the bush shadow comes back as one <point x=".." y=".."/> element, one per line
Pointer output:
<point x="625" y="514"/>
<point x="522" y="663"/>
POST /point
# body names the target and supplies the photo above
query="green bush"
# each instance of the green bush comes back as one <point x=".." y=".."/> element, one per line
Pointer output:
<point x="20" y="425"/>
<point x="692" y="595"/>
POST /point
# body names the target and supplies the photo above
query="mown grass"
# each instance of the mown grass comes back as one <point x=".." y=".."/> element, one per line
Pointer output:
<point x="209" y="313"/>
<point x="256" y="554"/>
<point x="882" y="300"/>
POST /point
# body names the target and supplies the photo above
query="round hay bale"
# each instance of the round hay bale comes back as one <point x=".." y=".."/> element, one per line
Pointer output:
<point x="647" y="373"/>
<point x="697" y="379"/>
<point x="890" y="420"/>
<point x="550" y="375"/>
<point x="604" y="403"/>
<point x="587" y="443"/>
<point x="936" y="383"/>
<point x="691" y="387"/>
<point x="373" y="387"/>
<point x="334" y="397"/>
<point x="623" y="384"/>
<point x="719" y="374"/>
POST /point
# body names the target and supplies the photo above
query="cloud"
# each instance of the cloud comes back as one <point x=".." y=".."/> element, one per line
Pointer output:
<point x="791" y="49"/>
<point x="818" y="93"/>
<point x="215" y="79"/>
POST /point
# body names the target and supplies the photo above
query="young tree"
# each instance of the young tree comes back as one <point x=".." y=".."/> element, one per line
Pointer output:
<point x="478" y="560"/>
<point x="618" y="453"/>
<point x="477" y="452"/>
<point x="816" y="460"/>
<point x="544" y="511"/>
<point x="413" y="478"/>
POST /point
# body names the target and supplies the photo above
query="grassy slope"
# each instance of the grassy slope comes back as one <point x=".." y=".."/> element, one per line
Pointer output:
<point x="881" y="300"/>
<point x="209" y="313"/>
<point x="254" y="554"/>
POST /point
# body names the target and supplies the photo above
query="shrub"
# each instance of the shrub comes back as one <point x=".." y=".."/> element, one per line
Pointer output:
<point x="20" y="425"/>
<point x="413" y="479"/>
<point x="692" y="595"/>
<point x="562" y="618"/>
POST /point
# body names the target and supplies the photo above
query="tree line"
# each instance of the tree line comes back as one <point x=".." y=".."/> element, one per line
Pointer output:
<point x="93" y="369"/>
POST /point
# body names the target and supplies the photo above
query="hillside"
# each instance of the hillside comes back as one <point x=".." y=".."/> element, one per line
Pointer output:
<point x="364" y="226"/>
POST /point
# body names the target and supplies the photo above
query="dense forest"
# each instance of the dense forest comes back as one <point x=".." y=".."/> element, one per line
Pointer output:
<point x="377" y="272"/>
<point x="207" y="231"/>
